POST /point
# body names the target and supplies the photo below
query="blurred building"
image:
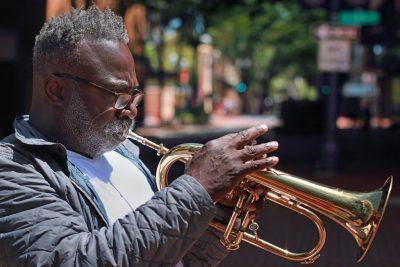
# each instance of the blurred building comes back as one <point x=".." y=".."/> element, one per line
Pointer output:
<point x="369" y="88"/>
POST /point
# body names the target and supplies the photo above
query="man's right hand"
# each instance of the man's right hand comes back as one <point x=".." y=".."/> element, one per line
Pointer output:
<point x="222" y="163"/>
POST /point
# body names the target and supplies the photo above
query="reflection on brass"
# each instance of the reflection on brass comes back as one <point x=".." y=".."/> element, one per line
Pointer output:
<point x="358" y="212"/>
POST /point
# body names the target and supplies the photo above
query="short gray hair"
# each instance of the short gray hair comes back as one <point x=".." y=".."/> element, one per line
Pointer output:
<point x="61" y="36"/>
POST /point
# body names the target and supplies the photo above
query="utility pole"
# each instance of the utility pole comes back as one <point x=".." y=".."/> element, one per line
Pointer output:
<point x="329" y="159"/>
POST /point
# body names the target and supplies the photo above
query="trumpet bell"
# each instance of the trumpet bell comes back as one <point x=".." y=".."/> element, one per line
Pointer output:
<point x="360" y="213"/>
<point x="365" y="233"/>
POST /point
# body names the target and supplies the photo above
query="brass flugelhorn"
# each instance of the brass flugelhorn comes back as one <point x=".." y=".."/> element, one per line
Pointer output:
<point x="360" y="213"/>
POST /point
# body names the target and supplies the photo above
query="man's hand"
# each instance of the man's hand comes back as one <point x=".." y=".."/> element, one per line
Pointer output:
<point x="222" y="163"/>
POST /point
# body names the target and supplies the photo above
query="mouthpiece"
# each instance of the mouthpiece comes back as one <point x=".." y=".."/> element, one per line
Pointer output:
<point x="161" y="150"/>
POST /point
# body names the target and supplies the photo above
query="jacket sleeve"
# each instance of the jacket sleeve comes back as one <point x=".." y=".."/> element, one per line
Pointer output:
<point x="38" y="228"/>
<point x="208" y="250"/>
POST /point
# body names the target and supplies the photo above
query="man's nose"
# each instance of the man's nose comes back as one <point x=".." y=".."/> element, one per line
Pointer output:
<point x="129" y="111"/>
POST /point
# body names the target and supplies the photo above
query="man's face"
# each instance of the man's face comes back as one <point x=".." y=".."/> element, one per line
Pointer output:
<point x="90" y="117"/>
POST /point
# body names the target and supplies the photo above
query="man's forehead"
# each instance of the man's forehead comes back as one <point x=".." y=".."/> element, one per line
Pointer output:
<point x="106" y="59"/>
<point x="106" y="53"/>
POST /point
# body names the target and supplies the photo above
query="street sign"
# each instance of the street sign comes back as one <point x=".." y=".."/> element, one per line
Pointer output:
<point x="360" y="17"/>
<point x="329" y="32"/>
<point x="357" y="89"/>
<point x="334" y="55"/>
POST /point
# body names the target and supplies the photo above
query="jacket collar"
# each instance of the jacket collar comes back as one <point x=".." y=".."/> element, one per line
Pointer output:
<point x="28" y="135"/>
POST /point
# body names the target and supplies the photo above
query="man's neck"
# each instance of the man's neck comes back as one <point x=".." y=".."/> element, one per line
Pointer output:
<point x="52" y="133"/>
<point x="42" y="128"/>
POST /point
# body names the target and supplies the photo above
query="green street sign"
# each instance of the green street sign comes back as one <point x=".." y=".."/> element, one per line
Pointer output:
<point x="359" y="17"/>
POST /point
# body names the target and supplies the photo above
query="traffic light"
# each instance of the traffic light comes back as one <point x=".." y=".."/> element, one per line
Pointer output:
<point x="241" y="87"/>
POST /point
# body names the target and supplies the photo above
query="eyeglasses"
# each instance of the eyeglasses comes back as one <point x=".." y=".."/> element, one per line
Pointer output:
<point x="121" y="100"/>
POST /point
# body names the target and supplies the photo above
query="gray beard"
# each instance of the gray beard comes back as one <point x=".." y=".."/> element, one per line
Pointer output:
<point x="88" y="138"/>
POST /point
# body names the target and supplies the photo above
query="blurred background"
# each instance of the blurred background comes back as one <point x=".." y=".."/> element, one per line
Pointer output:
<point x="323" y="75"/>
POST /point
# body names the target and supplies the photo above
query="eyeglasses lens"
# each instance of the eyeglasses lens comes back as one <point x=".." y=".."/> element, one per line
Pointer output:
<point x="124" y="100"/>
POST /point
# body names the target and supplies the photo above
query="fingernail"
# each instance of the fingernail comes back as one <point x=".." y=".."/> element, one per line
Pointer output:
<point x="273" y="144"/>
<point x="263" y="126"/>
<point x="273" y="159"/>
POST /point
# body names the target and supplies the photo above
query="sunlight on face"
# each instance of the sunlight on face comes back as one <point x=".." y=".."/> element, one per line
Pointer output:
<point x="91" y="138"/>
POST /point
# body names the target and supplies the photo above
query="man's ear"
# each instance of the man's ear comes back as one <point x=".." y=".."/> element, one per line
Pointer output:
<point x="55" y="90"/>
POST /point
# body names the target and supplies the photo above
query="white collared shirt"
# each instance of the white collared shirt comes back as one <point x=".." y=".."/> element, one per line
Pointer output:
<point x="120" y="184"/>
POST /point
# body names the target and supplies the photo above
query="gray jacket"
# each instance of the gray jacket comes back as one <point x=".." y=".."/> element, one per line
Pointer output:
<point x="51" y="216"/>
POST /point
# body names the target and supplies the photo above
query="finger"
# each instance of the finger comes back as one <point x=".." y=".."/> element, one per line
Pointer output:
<point x="253" y="152"/>
<point x="244" y="137"/>
<point x="256" y="165"/>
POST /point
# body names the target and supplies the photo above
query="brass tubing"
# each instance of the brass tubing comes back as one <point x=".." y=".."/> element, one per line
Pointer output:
<point x="358" y="212"/>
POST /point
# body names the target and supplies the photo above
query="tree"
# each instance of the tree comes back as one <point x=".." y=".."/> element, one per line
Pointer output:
<point x="274" y="37"/>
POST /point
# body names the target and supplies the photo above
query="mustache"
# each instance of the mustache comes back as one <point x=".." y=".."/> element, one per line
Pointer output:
<point x="117" y="125"/>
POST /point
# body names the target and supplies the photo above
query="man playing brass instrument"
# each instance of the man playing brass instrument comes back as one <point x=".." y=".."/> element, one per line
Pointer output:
<point x="73" y="190"/>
